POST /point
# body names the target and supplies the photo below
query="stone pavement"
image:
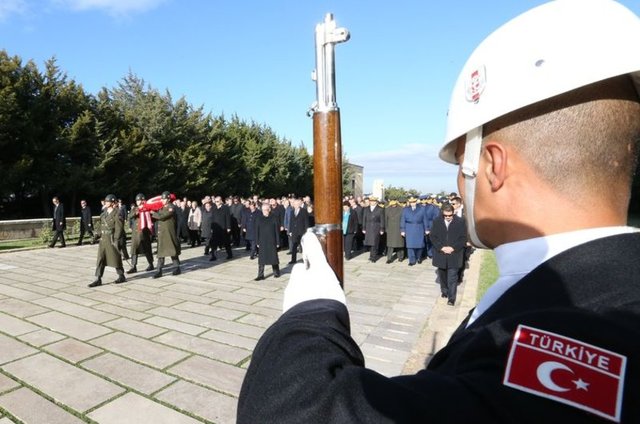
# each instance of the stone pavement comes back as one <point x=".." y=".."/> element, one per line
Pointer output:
<point x="175" y="349"/>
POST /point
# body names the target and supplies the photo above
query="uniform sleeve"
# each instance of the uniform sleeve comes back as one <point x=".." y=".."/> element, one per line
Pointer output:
<point x="307" y="369"/>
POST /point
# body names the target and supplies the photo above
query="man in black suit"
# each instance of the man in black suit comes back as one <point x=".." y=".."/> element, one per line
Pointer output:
<point x="297" y="227"/>
<point x="59" y="223"/>
<point x="373" y="227"/>
<point x="86" y="222"/>
<point x="449" y="237"/>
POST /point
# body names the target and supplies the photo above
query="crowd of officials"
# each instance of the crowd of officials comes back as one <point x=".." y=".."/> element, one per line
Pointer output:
<point x="428" y="227"/>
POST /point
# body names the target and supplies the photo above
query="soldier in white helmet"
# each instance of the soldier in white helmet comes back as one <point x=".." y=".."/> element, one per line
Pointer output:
<point x="545" y="112"/>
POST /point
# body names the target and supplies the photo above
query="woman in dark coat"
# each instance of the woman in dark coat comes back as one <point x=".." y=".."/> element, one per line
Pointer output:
<point x="267" y="235"/>
<point x="205" y="226"/>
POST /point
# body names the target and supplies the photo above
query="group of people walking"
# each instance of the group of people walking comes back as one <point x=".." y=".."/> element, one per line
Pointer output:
<point x="429" y="227"/>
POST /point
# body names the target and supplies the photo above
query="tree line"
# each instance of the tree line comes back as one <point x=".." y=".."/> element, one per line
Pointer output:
<point x="57" y="139"/>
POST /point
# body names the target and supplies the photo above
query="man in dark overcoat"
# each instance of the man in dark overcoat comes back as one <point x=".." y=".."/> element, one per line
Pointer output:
<point x="220" y="228"/>
<point x="395" y="241"/>
<point x="298" y="225"/>
<point x="373" y="227"/>
<point x="141" y="230"/>
<point x="111" y="228"/>
<point x="168" y="243"/>
<point x="267" y="239"/>
<point x="248" y="225"/>
<point x="449" y="237"/>
<point x="86" y="222"/>
<point x="414" y="226"/>
<point x="59" y="222"/>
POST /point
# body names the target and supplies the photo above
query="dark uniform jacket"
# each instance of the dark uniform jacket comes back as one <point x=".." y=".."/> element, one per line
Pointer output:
<point x="414" y="223"/>
<point x="168" y="243"/>
<point x="111" y="229"/>
<point x="140" y="238"/>
<point x="583" y="303"/>
<point x="392" y="215"/>
<point x="455" y="236"/>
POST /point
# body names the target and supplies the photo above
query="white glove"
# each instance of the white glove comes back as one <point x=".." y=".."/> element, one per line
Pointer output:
<point x="313" y="279"/>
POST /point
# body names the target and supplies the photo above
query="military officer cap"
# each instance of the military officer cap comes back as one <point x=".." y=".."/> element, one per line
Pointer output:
<point x="166" y="195"/>
<point x="110" y="198"/>
<point x="140" y="196"/>
<point x="412" y="199"/>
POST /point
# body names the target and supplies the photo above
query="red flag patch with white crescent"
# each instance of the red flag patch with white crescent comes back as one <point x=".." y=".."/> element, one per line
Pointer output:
<point x="566" y="370"/>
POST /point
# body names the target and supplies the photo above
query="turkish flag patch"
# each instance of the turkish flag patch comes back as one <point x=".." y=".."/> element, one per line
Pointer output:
<point x="566" y="370"/>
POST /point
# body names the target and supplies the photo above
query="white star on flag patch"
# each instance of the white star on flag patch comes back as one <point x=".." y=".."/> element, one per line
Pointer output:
<point x="566" y="370"/>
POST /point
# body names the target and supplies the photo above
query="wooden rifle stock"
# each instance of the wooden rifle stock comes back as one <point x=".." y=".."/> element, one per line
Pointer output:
<point x="327" y="147"/>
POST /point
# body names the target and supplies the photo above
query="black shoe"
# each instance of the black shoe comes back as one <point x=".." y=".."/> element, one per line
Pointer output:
<point x="79" y="243"/>
<point x="176" y="271"/>
<point x="212" y="258"/>
<point x="206" y="252"/>
<point x="150" y="268"/>
<point x="158" y="273"/>
<point x="292" y="262"/>
<point x="62" y="246"/>
<point x="443" y="295"/>
<point x="96" y="283"/>
<point x="451" y="303"/>
<point x="259" y="278"/>
<point x="252" y="257"/>
<point x="401" y="259"/>
<point x="120" y="280"/>
<point x="132" y="270"/>
<point x="419" y="261"/>
<point x="389" y="261"/>
<point x="276" y="274"/>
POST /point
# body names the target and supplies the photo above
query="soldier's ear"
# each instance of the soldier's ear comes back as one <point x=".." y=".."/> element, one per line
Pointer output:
<point x="496" y="161"/>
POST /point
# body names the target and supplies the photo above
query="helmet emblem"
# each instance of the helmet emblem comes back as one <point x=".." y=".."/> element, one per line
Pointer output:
<point x="475" y="85"/>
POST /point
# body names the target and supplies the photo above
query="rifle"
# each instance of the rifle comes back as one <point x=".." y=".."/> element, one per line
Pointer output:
<point x="327" y="146"/>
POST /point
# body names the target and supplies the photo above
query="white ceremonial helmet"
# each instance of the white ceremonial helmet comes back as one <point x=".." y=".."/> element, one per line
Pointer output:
<point x="549" y="50"/>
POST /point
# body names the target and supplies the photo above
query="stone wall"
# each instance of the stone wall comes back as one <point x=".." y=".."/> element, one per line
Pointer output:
<point x="28" y="228"/>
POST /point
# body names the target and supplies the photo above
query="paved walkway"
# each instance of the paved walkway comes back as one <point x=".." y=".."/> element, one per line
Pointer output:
<point x="175" y="350"/>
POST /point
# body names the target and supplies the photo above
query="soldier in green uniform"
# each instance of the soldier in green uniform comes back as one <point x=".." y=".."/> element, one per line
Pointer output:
<point x="141" y="227"/>
<point x="111" y="227"/>
<point x="168" y="243"/>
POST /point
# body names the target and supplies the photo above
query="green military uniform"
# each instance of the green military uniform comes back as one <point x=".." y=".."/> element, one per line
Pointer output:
<point x="168" y="243"/>
<point x="111" y="229"/>
<point x="140" y="236"/>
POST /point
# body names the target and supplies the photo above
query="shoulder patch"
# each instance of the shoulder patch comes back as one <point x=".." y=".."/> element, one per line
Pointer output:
<point x="566" y="370"/>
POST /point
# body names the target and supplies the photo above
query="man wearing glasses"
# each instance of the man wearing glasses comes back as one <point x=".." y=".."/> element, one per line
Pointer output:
<point x="449" y="237"/>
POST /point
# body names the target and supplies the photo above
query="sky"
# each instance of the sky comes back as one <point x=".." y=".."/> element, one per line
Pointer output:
<point x="255" y="58"/>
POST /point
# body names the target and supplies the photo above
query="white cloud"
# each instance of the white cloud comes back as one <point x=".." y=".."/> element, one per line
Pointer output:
<point x="11" y="7"/>
<point x="112" y="7"/>
<point x="412" y="166"/>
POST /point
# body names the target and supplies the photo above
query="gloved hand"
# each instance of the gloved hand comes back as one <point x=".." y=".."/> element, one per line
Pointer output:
<point x="312" y="279"/>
